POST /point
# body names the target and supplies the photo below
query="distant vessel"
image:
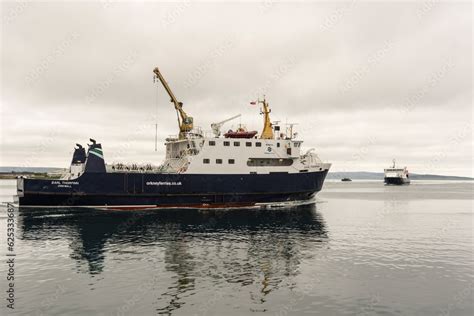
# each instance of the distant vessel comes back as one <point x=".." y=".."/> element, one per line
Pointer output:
<point x="346" y="180"/>
<point x="200" y="170"/>
<point x="396" y="175"/>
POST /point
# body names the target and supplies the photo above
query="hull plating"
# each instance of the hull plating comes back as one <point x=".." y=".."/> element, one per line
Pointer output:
<point x="140" y="190"/>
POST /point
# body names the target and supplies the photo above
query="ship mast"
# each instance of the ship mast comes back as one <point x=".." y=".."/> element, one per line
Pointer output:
<point x="185" y="122"/>
<point x="267" y="132"/>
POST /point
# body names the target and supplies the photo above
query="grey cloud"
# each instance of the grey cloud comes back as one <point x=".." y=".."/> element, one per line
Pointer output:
<point x="397" y="71"/>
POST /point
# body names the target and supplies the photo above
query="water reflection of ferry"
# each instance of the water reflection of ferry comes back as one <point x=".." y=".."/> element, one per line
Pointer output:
<point x="241" y="246"/>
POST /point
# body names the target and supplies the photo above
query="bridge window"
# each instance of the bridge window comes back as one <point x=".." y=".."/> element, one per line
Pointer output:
<point x="236" y="144"/>
<point x="231" y="161"/>
<point x="248" y="144"/>
<point x="226" y="143"/>
<point x="205" y="160"/>
<point x="212" y="143"/>
<point x="218" y="161"/>
<point x="258" y="144"/>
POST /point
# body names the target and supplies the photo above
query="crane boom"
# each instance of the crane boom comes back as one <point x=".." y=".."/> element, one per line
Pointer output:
<point x="216" y="127"/>
<point x="186" y="122"/>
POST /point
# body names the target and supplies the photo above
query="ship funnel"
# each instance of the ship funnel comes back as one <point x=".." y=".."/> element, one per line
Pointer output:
<point x="78" y="161"/>
<point x="79" y="155"/>
<point x="95" y="158"/>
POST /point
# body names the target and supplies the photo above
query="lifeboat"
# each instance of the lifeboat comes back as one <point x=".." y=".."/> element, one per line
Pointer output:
<point x="240" y="133"/>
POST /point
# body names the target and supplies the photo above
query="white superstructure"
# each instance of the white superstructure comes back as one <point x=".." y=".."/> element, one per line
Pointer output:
<point x="207" y="155"/>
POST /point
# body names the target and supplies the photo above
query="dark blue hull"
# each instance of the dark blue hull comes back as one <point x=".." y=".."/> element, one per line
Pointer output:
<point x="396" y="181"/>
<point x="125" y="190"/>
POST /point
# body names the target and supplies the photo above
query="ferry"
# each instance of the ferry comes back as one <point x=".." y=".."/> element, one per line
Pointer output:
<point x="396" y="175"/>
<point x="201" y="170"/>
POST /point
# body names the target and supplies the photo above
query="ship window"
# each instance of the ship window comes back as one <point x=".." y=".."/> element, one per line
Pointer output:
<point x="258" y="144"/>
<point x="237" y="144"/>
<point x="212" y="143"/>
<point x="248" y="144"/>
<point x="205" y="160"/>
<point x="226" y="143"/>
<point x="277" y="162"/>
<point x="231" y="161"/>
<point x="288" y="151"/>
<point x="219" y="161"/>
<point x="278" y="144"/>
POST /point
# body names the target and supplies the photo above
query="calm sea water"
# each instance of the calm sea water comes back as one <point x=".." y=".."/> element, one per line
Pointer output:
<point x="363" y="248"/>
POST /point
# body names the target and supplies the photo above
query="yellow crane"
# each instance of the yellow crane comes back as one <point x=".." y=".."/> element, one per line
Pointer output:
<point x="185" y="122"/>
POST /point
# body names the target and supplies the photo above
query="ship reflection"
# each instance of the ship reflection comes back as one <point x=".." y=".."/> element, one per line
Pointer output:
<point x="262" y="248"/>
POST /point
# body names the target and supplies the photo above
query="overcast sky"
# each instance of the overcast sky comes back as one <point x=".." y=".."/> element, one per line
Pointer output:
<point x="365" y="81"/>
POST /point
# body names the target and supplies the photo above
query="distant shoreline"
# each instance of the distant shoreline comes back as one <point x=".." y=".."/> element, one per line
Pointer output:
<point x="14" y="175"/>
<point x="365" y="175"/>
